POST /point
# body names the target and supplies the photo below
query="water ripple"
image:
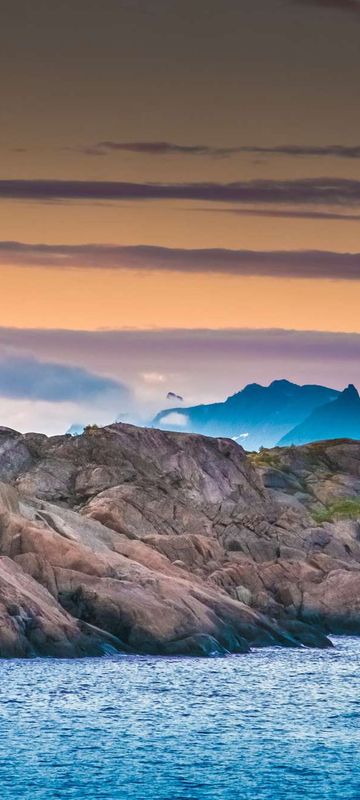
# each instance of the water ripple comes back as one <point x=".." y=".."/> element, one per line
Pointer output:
<point x="277" y="725"/>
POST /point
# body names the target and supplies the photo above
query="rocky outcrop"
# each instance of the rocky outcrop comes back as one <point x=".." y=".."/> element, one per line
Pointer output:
<point x="138" y="540"/>
<point x="33" y="623"/>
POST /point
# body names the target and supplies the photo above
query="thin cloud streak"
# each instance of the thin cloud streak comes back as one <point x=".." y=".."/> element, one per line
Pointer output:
<point x="155" y="149"/>
<point x="282" y="214"/>
<point x="314" y="264"/>
<point x="163" y="148"/>
<point x="347" y="6"/>
<point x="308" y="191"/>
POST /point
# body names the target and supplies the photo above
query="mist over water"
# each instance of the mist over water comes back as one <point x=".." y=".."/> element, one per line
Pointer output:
<point x="272" y="725"/>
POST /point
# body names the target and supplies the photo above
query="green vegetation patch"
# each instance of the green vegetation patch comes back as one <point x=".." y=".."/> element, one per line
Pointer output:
<point x="266" y="458"/>
<point x="91" y="429"/>
<point x="346" y="508"/>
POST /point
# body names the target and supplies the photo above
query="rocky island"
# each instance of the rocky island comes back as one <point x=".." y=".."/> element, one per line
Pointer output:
<point x="146" y="541"/>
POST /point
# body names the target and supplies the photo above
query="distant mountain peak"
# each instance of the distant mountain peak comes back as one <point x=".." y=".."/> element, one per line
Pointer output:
<point x="282" y="383"/>
<point x="351" y="393"/>
<point x="250" y="387"/>
<point x="338" y="419"/>
<point x="265" y="413"/>
<point x="174" y="396"/>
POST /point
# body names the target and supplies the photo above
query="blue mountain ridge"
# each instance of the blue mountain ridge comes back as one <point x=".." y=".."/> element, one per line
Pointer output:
<point x="267" y="415"/>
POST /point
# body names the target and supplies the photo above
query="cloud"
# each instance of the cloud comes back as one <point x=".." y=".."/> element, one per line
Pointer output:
<point x="153" y="377"/>
<point x="191" y="357"/>
<point x="348" y="6"/>
<point x="308" y="191"/>
<point x="154" y="149"/>
<point x="295" y="150"/>
<point x="175" y="418"/>
<point x="26" y="378"/>
<point x="281" y="264"/>
<point x="124" y="346"/>
<point x="282" y="213"/>
<point x="202" y="150"/>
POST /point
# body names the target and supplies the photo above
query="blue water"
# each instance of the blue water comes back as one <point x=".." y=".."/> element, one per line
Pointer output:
<point x="272" y="725"/>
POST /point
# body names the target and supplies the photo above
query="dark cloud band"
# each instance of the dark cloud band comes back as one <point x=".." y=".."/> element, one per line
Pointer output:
<point x="119" y="347"/>
<point x="282" y="213"/>
<point x="348" y="6"/>
<point x="281" y="264"/>
<point x="201" y="150"/>
<point x="308" y="191"/>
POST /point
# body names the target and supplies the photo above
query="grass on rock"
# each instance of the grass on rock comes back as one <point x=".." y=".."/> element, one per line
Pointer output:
<point x="346" y="508"/>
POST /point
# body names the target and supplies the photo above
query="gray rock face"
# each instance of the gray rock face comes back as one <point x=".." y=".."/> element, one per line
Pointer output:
<point x="14" y="454"/>
<point x="155" y="542"/>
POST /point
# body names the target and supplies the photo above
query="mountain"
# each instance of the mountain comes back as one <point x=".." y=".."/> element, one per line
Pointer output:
<point x="339" y="419"/>
<point x="256" y="416"/>
<point x="145" y="541"/>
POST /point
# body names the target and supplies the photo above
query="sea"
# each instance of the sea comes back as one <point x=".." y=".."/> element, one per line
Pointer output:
<point x="278" y="724"/>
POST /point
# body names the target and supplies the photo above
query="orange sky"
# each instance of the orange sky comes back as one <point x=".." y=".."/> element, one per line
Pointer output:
<point x="223" y="73"/>
<point x="94" y="299"/>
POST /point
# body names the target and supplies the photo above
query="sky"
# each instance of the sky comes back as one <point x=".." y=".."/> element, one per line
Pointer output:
<point x="179" y="203"/>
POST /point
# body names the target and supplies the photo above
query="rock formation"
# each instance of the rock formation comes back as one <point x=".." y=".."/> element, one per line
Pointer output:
<point x="146" y="541"/>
